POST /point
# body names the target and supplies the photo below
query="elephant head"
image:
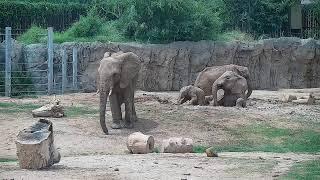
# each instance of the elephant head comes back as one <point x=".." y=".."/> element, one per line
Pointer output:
<point x="231" y="82"/>
<point x="244" y="72"/>
<point x="115" y="71"/>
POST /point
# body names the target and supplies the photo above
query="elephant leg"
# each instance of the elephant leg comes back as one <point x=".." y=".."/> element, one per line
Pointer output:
<point x="135" y="117"/>
<point x="130" y="114"/>
<point x="116" y="111"/>
<point x="241" y="103"/>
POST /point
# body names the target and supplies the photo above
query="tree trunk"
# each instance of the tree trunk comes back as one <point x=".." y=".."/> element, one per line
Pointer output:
<point x="139" y="143"/>
<point x="35" y="146"/>
<point x="50" y="110"/>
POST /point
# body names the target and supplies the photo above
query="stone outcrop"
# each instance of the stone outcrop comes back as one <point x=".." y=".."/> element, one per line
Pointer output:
<point x="273" y="63"/>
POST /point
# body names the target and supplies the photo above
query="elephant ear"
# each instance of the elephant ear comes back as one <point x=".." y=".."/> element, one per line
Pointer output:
<point x="129" y="69"/>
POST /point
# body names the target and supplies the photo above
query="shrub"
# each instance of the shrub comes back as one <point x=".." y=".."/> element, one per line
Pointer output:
<point x="235" y="36"/>
<point x="34" y="35"/>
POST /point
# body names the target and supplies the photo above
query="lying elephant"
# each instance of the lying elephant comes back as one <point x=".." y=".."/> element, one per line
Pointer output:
<point x="209" y="75"/>
<point x="195" y="94"/>
<point x="234" y="86"/>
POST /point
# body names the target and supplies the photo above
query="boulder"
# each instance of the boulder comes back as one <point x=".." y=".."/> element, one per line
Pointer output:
<point x="138" y="143"/>
<point x="35" y="146"/>
<point x="211" y="153"/>
<point x="50" y="110"/>
<point x="177" y="145"/>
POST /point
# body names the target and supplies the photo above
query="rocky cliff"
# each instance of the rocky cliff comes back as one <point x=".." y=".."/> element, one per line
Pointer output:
<point x="273" y="63"/>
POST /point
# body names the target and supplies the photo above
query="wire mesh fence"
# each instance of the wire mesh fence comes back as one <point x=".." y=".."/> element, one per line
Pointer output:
<point x="33" y="77"/>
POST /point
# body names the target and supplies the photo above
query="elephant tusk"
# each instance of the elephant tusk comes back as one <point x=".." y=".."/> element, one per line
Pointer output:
<point x="110" y="91"/>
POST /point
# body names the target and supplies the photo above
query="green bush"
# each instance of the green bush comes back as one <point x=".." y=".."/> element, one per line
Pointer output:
<point x="235" y="36"/>
<point x="34" y="35"/>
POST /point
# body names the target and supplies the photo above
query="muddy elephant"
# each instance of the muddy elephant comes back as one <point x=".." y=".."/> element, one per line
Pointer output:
<point x="209" y="75"/>
<point x="234" y="86"/>
<point x="192" y="93"/>
<point x="118" y="75"/>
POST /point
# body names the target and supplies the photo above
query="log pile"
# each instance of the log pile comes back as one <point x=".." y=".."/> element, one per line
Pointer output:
<point x="50" y="110"/>
<point x="177" y="145"/>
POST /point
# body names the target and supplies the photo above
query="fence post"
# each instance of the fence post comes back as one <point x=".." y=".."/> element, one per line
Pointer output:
<point x="74" y="68"/>
<point x="8" y="62"/>
<point x="50" y="60"/>
<point x="64" y="70"/>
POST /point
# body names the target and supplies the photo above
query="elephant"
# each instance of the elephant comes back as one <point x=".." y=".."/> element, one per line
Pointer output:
<point x="195" y="94"/>
<point x="209" y="75"/>
<point x="234" y="86"/>
<point x="118" y="75"/>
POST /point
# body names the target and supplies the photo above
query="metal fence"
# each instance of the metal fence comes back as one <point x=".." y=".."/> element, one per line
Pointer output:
<point x="20" y="78"/>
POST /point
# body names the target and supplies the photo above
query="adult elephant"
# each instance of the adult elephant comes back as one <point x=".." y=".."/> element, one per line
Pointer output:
<point x="209" y="75"/>
<point x="118" y="75"/>
<point x="234" y="87"/>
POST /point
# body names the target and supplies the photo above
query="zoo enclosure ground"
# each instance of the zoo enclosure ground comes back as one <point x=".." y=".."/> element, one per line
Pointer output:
<point x="266" y="125"/>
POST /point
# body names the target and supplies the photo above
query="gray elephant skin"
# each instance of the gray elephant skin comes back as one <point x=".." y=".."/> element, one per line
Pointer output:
<point x="234" y="86"/>
<point x="192" y="93"/>
<point x="209" y="75"/>
<point x="118" y="75"/>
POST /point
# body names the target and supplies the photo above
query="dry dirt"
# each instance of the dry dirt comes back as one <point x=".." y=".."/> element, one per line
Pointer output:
<point x="89" y="154"/>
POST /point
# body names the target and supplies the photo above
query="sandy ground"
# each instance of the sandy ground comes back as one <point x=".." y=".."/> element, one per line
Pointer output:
<point x="89" y="154"/>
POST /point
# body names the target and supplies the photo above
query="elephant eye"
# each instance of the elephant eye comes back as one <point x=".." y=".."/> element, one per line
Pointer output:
<point x="228" y="77"/>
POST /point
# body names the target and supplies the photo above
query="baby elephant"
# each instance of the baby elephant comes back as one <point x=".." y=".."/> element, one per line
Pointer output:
<point x="195" y="94"/>
<point x="234" y="86"/>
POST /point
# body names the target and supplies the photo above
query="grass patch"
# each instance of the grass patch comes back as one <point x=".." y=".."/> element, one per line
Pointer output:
<point x="304" y="170"/>
<point x="4" y="160"/>
<point x="75" y="111"/>
<point x="10" y="107"/>
<point x="262" y="137"/>
<point x="199" y="149"/>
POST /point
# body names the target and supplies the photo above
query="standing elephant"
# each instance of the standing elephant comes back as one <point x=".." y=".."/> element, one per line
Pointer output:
<point x="234" y="86"/>
<point x="209" y="75"/>
<point x="118" y="75"/>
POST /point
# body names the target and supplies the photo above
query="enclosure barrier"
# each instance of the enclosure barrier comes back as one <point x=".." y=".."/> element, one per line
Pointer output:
<point x="29" y="81"/>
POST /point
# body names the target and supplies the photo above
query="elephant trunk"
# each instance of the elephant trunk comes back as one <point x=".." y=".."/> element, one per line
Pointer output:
<point x="215" y="89"/>
<point x="103" y="101"/>
<point x="249" y="88"/>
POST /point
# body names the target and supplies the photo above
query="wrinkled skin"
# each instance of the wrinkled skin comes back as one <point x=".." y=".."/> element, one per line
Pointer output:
<point x="234" y="86"/>
<point x="192" y="93"/>
<point x="209" y="75"/>
<point x="118" y="74"/>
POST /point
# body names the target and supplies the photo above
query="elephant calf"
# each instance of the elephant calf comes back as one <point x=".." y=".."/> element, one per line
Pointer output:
<point x="234" y="86"/>
<point x="195" y="94"/>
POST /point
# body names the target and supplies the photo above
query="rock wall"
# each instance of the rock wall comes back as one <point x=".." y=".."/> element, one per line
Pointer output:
<point x="273" y="63"/>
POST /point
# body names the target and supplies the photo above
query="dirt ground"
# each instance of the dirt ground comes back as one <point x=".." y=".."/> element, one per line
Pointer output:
<point x="89" y="154"/>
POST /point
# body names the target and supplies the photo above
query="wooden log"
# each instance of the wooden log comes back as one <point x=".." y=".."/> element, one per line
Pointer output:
<point x="35" y="146"/>
<point x="139" y="143"/>
<point x="309" y="100"/>
<point x="177" y="145"/>
<point x="50" y="110"/>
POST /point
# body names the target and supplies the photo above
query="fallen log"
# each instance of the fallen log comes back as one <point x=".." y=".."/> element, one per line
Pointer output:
<point x="177" y="145"/>
<point x="50" y="110"/>
<point x="35" y="146"/>
<point x="139" y="143"/>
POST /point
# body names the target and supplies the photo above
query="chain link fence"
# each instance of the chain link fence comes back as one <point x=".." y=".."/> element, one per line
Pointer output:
<point x="33" y="76"/>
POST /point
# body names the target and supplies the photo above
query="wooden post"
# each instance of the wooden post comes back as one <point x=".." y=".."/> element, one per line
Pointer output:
<point x="74" y="68"/>
<point x="64" y="71"/>
<point x="8" y="62"/>
<point x="50" y="60"/>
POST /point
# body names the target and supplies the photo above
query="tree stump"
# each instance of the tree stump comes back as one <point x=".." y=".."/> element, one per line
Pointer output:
<point x="50" y="110"/>
<point x="177" y="145"/>
<point x="35" y="146"/>
<point x="139" y="143"/>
